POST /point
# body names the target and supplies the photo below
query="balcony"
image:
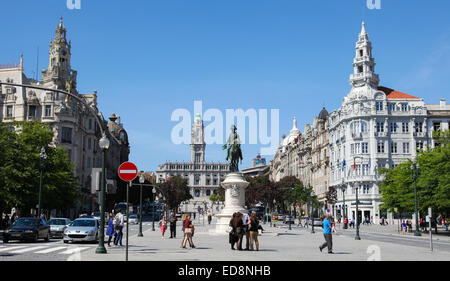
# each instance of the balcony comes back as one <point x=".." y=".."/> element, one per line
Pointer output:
<point x="380" y="134"/>
<point x="420" y="134"/>
<point x="356" y="136"/>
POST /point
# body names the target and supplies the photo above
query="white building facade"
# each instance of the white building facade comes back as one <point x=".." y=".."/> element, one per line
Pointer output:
<point x="376" y="127"/>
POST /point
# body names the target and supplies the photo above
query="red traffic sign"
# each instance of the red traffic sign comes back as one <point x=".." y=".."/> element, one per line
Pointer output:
<point x="128" y="171"/>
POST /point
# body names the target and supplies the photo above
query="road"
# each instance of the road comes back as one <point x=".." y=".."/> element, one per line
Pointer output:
<point x="55" y="249"/>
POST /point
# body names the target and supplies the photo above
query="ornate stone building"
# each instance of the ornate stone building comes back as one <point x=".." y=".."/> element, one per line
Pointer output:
<point x="74" y="126"/>
<point x="375" y="127"/>
<point x="203" y="177"/>
<point x="305" y="156"/>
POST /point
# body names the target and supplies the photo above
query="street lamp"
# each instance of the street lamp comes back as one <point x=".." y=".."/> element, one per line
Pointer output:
<point x="357" y="216"/>
<point x="344" y="207"/>
<point x="153" y="209"/>
<point x="104" y="145"/>
<point x="415" y="172"/>
<point x="141" y="181"/>
<point x="42" y="157"/>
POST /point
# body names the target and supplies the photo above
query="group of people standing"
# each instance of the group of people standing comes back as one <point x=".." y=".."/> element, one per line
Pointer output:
<point x="244" y="225"/>
<point x="115" y="228"/>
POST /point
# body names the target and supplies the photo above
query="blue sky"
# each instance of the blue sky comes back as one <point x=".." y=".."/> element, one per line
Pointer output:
<point x="148" y="58"/>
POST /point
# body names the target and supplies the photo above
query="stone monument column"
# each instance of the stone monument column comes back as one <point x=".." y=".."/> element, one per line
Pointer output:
<point x="234" y="185"/>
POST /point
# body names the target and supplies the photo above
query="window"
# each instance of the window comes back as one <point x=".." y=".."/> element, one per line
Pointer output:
<point x="393" y="127"/>
<point x="208" y="192"/>
<point x="380" y="147"/>
<point x="405" y="127"/>
<point x="361" y="52"/>
<point x="392" y="107"/>
<point x="214" y="181"/>
<point x="32" y="111"/>
<point x="352" y="149"/>
<point x="419" y="145"/>
<point x="360" y="69"/>
<point x="89" y="143"/>
<point x="196" y="180"/>
<point x="365" y="169"/>
<point x="419" y="126"/>
<point x="406" y="147"/>
<point x="197" y="157"/>
<point x="363" y="127"/>
<point x="404" y="107"/>
<point x="357" y="146"/>
<point x="380" y="127"/>
<point x="364" y="147"/>
<point x="9" y="111"/>
<point x="197" y="193"/>
<point x="66" y="135"/>
<point x="436" y="126"/>
<point x="48" y="110"/>
<point x="379" y="105"/>
<point x="208" y="181"/>
<point x="393" y="147"/>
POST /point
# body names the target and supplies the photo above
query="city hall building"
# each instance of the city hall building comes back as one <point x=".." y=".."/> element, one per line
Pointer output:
<point x="203" y="178"/>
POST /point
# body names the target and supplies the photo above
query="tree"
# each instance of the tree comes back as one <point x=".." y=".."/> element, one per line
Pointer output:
<point x="432" y="184"/>
<point x="20" y="172"/>
<point x="175" y="191"/>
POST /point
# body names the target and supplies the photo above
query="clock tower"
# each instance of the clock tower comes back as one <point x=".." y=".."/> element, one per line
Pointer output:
<point x="197" y="141"/>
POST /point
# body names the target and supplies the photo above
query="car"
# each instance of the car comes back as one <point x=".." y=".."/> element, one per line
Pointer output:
<point x="288" y="219"/>
<point x="317" y="222"/>
<point x="27" y="229"/>
<point x="134" y="219"/>
<point x="57" y="227"/>
<point x="82" y="230"/>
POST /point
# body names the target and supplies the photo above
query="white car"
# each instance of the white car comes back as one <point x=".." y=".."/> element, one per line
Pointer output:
<point x="82" y="230"/>
<point x="134" y="219"/>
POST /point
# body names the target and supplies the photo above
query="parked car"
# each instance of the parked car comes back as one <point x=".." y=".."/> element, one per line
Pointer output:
<point x="289" y="219"/>
<point x="82" y="230"/>
<point x="57" y="227"/>
<point x="134" y="219"/>
<point x="27" y="229"/>
<point x="317" y="222"/>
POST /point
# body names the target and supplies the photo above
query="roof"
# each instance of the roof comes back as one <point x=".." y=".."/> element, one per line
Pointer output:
<point x="393" y="94"/>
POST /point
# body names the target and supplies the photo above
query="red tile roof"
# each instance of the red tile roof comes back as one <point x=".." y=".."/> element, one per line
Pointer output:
<point x="393" y="94"/>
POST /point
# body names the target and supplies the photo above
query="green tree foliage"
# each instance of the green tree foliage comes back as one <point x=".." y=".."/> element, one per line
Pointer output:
<point x="20" y="170"/>
<point x="175" y="191"/>
<point x="433" y="181"/>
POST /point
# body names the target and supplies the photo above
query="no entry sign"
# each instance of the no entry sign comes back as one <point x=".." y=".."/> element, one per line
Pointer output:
<point x="128" y="171"/>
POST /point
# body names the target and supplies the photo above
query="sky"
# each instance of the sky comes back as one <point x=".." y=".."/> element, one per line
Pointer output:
<point x="148" y="58"/>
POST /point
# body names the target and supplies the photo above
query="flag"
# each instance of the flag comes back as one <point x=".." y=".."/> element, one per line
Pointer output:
<point x="354" y="164"/>
<point x="343" y="165"/>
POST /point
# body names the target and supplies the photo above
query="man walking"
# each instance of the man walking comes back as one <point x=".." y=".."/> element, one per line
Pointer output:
<point x="173" y="225"/>
<point x="118" y="226"/>
<point x="327" y="234"/>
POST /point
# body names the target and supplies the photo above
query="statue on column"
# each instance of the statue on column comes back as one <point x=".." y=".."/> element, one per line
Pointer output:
<point x="234" y="153"/>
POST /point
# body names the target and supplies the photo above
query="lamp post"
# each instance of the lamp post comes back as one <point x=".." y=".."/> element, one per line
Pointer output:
<point x="357" y="216"/>
<point x="344" y="207"/>
<point x="414" y="172"/>
<point x="141" y="181"/>
<point x="104" y="145"/>
<point x="42" y="157"/>
<point x="153" y="209"/>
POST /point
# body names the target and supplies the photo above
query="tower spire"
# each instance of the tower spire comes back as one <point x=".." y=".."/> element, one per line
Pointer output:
<point x="364" y="63"/>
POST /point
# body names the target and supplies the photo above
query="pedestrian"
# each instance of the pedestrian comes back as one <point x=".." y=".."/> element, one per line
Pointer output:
<point x="306" y="223"/>
<point x="163" y="226"/>
<point x="173" y="225"/>
<point x="353" y="223"/>
<point x="403" y="227"/>
<point x="42" y="217"/>
<point x="209" y="218"/>
<point x="327" y="235"/>
<point x="194" y="215"/>
<point x="245" y="230"/>
<point x="110" y="230"/>
<point x="237" y="231"/>
<point x="231" y="233"/>
<point x="253" y="229"/>
<point x="188" y="229"/>
<point x="118" y="225"/>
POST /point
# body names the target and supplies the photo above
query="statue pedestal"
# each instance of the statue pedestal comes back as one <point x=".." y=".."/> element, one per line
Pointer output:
<point x="234" y="185"/>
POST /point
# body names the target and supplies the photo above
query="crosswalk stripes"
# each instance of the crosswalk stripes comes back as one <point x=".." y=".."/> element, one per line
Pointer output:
<point x="46" y="251"/>
<point x="43" y="249"/>
<point x="21" y="251"/>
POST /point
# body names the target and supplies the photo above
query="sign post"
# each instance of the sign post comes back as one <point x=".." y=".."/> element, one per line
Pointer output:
<point x="128" y="172"/>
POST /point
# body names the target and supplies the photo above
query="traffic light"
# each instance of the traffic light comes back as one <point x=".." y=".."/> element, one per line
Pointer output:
<point x="293" y="188"/>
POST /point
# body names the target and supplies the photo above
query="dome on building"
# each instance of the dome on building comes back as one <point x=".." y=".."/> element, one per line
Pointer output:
<point x="323" y="114"/>
<point x="295" y="132"/>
